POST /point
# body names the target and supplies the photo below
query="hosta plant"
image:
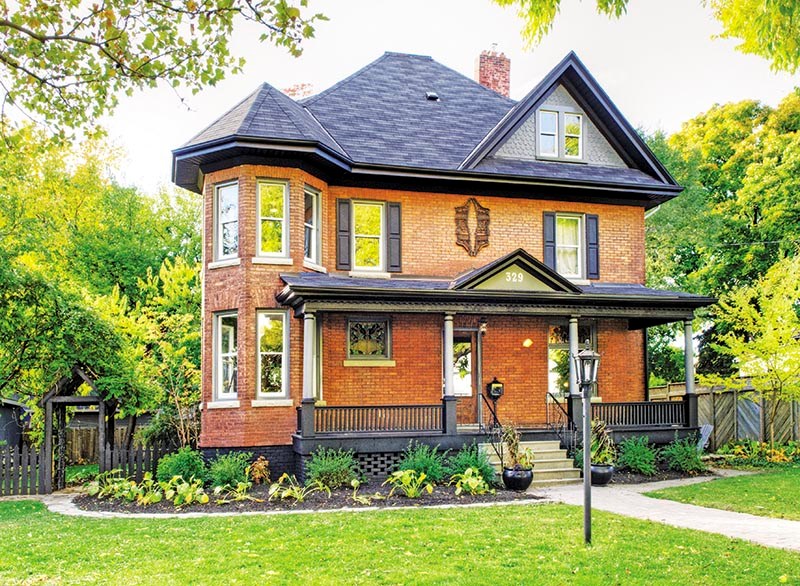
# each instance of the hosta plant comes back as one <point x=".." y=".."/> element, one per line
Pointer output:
<point x="471" y="481"/>
<point x="363" y="499"/>
<point x="230" y="494"/>
<point x="181" y="492"/>
<point x="288" y="488"/>
<point x="410" y="482"/>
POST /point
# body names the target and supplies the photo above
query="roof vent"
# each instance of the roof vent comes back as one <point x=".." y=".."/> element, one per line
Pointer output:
<point x="432" y="96"/>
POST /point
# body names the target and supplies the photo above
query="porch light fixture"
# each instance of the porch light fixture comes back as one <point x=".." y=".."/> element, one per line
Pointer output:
<point x="482" y="325"/>
<point x="586" y="363"/>
<point x="527" y="343"/>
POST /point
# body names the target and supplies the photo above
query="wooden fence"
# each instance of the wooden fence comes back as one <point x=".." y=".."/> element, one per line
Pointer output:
<point x="135" y="462"/>
<point x="83" y="443"/>
<point x="21" y="471"/>
<point x="734" y="415"/>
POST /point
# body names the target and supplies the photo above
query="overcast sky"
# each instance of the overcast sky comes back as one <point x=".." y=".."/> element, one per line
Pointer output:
<point x="660" y="64"/>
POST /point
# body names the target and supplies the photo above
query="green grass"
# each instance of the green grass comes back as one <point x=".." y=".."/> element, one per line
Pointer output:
<point x="80" y="469"/>
<point x="770" y="494"/>
<point x="539" y="544"/>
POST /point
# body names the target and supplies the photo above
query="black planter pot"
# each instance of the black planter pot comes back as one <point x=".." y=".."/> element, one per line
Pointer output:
<point x="517" y="478"/>
<point x="602" y="474"/>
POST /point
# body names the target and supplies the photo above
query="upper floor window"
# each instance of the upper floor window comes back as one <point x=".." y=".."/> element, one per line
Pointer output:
<point x="273" y="237"/>
<point x="311" y="225"/>
<point x="368" y="235"/>
<point x="225" y="355"/>
<point x="569" y="246"/>
<point x="226" y="221"/>
<point x="560" y="135"/>
<point x="273" y="352"/>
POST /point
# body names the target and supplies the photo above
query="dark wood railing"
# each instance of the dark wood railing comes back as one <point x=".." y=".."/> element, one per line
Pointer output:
<point x="390" y="418"/>
<point x="642" y="413"/>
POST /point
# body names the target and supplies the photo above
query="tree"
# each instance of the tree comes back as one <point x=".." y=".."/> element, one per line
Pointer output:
<point x="67" y="62"/>
<point x="770" y="29"/>
<point x="765" y="339"/>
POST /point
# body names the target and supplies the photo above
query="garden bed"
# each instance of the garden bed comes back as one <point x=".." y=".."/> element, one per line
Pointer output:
<point x="628" y="477"/>
<point x="339" y="499"/>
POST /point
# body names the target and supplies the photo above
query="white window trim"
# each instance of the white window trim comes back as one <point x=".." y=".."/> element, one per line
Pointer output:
<point x="541" y="133"/>
<point x="316" y="215"/>
<point x="581" y="274"/>
<point x="381" y="238"/>
<point x="284" y="252"/>
<point x="218" y="354"/>
<point x="217" y="244"/>
<point x="284" y="394"/>
<point x="579" y="136"/>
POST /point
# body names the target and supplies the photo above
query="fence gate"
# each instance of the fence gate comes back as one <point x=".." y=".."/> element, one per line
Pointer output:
<point x="21" y="471"/>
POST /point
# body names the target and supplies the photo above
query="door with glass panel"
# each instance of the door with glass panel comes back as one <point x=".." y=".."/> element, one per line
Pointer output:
<point x="465" y="365"/>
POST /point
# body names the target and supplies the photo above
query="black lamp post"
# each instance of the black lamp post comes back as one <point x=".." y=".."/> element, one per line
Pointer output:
<point x="586" y="362"/>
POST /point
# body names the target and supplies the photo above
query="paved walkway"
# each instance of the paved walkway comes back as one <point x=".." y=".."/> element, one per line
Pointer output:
<point x="627" y="500"/>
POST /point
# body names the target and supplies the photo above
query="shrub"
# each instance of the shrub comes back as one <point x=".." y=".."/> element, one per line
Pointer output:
<point x="472" y="457"/>
<point x="425" y="460"/>
<point x="186" y="463"/>
<point x="258" y="471"/>
<point x="637" y="455"/>
<point x="683" y="456"/>
<point x="333" y="468"/>
<point x="759" y="454"/>
<point x="229" y="469"/>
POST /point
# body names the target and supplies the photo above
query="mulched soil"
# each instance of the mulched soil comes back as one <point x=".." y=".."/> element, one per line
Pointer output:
<point x="339" y="499"/>
<point x="628" y="477"/>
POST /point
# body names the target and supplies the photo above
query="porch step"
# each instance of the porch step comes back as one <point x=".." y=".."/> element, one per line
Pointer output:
<point x="553" y="482"/>
<point x="551" y="464"/>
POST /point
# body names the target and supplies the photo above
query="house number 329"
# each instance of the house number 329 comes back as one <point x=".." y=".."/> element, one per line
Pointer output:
<point x="514" y="277"/>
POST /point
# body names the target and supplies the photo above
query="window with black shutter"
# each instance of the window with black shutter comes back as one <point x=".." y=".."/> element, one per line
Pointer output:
<point x="572" y="244"/>
<point x="368" y="236"/>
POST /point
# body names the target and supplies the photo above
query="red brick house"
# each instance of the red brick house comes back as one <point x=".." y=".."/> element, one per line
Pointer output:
<point x="376" y="254"/>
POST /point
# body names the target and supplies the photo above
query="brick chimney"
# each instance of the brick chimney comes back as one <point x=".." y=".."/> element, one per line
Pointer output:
<point x="493" y="70"/>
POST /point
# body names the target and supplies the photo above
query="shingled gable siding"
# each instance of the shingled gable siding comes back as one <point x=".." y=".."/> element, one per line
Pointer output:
<point x="428" y="231"/>
<point x="247" y="288"/>
<point x="596" y="149"/>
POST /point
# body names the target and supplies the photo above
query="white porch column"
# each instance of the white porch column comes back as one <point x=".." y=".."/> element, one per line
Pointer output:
<point x="449" y="391"/>
<point x="309" y="348"/>
<point x="688" y="356"/>
<point x="574" y="344"/>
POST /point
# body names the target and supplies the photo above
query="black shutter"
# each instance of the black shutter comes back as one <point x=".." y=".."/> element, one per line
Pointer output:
<point x="393" y="247"/>
<point x="592" y="247"/>
<point x="343" y="234"/>
<point x="550" y="240"/>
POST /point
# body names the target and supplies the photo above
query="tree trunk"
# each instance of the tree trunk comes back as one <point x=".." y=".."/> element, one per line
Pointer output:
<point x="130" y="431"/>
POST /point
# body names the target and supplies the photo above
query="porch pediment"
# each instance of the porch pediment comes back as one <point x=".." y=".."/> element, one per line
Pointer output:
<point x="517" y="271"/>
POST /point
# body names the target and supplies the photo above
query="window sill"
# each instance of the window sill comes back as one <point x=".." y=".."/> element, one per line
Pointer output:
<point x="370" y="274"/>
<point x="268" y="260"/>
<point x="314" y="266"/>
<point x="224" y="404"/>
<point x="377" y="362"/>
<point x="580" y="161"/>
<point x="272" y="403"/>
<point x="228" y="262"/>
<point x="579" y="281"/>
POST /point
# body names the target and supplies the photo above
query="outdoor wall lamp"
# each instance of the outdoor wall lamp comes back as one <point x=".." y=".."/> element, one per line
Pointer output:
<point x="482" y="326"/>
<point x="586" y="363"/>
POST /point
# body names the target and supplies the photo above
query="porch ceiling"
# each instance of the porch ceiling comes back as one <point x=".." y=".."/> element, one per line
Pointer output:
<point x="642" y="307"/>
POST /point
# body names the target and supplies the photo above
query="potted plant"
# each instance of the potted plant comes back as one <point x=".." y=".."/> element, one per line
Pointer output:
<point x="603" y="454"/>
<point x="518" y="467"/>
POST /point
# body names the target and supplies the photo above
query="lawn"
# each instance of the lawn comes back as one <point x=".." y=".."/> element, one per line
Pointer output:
<point x="532" y="544"/>
<point x="769" y="494"/>
<point x="79" y="470"/>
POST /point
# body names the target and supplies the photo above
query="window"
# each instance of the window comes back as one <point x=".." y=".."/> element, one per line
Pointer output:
<point x="226" y="225"/>
<point x="548" y="133"/>
<point x="368" y="338"/>
<point x="558" y="355"/>
<point x="368" y="244"/>
<point x="225" y="349"/>
<point x="272" y="205"/>
<point x="573" y="147"/>
<point x="560" y="135"/>
<point x="273" y="352"/>
<point x="311" y="224"/>
<point x="569" y="246"/>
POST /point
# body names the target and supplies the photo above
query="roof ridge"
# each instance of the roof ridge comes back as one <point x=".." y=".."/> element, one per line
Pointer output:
<point x="477" y="83"/>
<point x="310" y="100"/>
<point x="325" y="130"/>
<point x="289" y="115"/>
<point x="228" y="111"/>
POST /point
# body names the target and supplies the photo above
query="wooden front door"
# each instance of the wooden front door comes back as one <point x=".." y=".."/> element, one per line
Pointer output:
<point x="465" y="363"/>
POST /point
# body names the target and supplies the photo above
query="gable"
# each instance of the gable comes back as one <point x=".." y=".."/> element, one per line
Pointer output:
<point x="516" y="271"/>
<point x="521" y="144"/>
<point x="514" y="277"/>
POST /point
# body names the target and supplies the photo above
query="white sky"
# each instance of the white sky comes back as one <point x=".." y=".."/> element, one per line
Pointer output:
<point x="659" y="64"/>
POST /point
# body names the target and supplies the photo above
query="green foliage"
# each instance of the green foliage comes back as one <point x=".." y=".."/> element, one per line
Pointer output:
<point x="637" y="455"/>
<point x="471" y="481"/>
<point x="184" y="492"/>
<point x="768" y="29"/>
<point x="185" y="463"/>
<point x="752" y="453"/>
<point x="472" y="457"/>
<point x="112" y="485"/>
<point x="682" y="455"/>
<point x="235" y="493"/>
<point x="410" y="482"/>
<point x="333" y="468"/>
<point x="665" y="360"/>
<point x="603" y="450"/>
<point x="288" y="488"/>
<point x="149" y="491"/>
<point x="363" y="499"/>
<point x="69" y="62"/>
<point x="426" y="460"/>
<point x="229" y="470"/>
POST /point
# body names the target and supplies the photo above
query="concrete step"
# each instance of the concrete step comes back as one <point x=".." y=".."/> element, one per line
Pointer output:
<point x="551" y="464"/>
<point x="553" y="482"/>
<point x="537" y="456"/>
<point x="556" y="474"/>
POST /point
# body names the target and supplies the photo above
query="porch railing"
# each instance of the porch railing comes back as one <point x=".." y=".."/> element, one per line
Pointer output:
<point x="641" y="413"/>
<point x="392" y="418"/>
